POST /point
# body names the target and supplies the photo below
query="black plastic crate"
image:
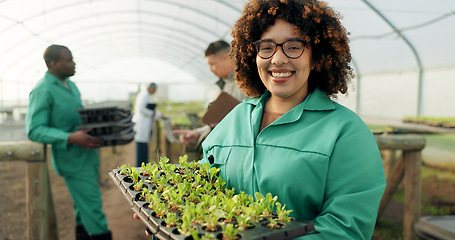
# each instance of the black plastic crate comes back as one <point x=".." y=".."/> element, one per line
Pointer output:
<point x="111" y="127"/>
<point x="110" y="111"/>
<point x="112" y="114"/>
<point x="120" y="138"/>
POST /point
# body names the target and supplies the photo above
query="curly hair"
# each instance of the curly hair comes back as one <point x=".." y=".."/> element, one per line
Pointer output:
<point x="320" y="26"/>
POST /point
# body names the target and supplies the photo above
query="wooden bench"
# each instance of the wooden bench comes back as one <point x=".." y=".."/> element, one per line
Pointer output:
<point x="41" y="221"/>
<point x="406" y="169"/>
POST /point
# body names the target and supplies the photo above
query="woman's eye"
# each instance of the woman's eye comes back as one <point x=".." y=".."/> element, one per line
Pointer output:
<point x="294" y="47"/>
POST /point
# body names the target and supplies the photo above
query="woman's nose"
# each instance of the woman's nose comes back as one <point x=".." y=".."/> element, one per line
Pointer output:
<point x="279" y="57"/>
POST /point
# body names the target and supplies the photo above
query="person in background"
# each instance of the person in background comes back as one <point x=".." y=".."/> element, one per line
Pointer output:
<point x="144" y="112"/>
<point x="52" y="118"/>
<point x="291" y="139"/>
<point x="220" y="63"/>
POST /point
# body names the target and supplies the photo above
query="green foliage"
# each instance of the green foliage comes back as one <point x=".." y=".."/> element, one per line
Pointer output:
<point x="124" y="169"/>
<point x="203" y="201"/>
<point x="229" y="232"/>
<point x="205" y="170"/>
<point x="144" y="194"/>
<point x="172" y="220"/>
<point x="245" y="219"/>
<point x="187" y="224"/>
<point x="266" y="203"/>
<point x="134" y="174"/>
<point x="283" y="214"/>
<point x="273" y="223"/>
<point x="212" y="174"/>
<point x="183" y="161"/>
<point x="138" y="186"/>
<point x="165" y="166"/>
<point x="157" y="205"/>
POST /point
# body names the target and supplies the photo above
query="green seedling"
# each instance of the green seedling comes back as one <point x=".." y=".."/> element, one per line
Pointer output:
<point x="229" y="232"/>
<point x="164" y="165"/>
<point x="212" y="174"/>
<point x="124" y="170"/>
<point x="175" y="178"/>
<point x="138" y="186"/>
<point x="283" y="214"/>
<point x="244" y="220"/>
<point x="229" y="193"/>
<point x="162" y="183"/>
<point x="193" y="165"/>
<point x="204" y="170"/>
<point x="184" y="188"/>
<point x="183" y="162"/>
<point x="134" y="174"/>
<point x="208" y="236"/>
<point x="186" y="227"/>
<point x="144" y="194"/>
<point x="211" y="222"/>
<point x="273" y="224"/>
<point x="242" y="198"/>
<point x="230" y="210"/>
<point x="146" y="169"/>
<point x="175" y="200"/>
<point x="268" y="203"/>
<point x="172" y="220"/>
<point x="157" y="205"/>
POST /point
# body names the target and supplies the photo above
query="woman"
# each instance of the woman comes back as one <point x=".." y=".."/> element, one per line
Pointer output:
<point x="291" y="139"/>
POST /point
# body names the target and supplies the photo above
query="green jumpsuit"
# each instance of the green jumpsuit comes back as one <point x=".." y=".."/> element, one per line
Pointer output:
<point x="52" y="116"/>
<point x="319" y="158"/>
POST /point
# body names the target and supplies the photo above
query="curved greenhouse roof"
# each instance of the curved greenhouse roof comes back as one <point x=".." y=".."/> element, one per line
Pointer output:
<point x="402" y="50"/>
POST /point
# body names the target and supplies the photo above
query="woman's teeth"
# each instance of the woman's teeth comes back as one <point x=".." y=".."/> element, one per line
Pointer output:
<point x="281" y="74"/>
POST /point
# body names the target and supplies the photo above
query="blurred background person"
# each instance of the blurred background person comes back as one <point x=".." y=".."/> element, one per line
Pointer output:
<point x="221" y="64"/>
<point x="144" y="112"/>
<point x="52" y="118"/>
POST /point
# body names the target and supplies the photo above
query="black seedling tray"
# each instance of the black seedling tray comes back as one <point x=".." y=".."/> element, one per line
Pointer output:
<point x="107" y="128"/>
<point x="120" y="138"/>
<point x="107" y="114"/>
<point x="259" y="231"/>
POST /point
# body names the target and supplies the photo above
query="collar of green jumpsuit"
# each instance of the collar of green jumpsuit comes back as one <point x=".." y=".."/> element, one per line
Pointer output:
<point x="315" y="101"/>
<point x="53" y="79"/>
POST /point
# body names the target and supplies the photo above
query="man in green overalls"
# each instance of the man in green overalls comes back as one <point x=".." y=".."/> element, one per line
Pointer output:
<point x="52" y="118"/>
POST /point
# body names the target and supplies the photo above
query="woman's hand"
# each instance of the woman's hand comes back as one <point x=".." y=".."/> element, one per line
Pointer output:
<point x="147" y="231"/>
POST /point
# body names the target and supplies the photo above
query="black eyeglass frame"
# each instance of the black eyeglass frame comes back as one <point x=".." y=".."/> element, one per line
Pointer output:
<point x="257" y="44"/>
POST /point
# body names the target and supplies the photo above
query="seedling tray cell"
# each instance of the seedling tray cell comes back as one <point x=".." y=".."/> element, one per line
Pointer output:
<point x="157" y="225"/>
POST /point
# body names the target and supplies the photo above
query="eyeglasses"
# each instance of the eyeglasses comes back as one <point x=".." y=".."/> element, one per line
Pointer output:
<point x="291" y="48"/>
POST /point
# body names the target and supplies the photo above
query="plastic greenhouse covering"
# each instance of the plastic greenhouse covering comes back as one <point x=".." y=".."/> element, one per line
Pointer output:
<point x="403" y="50"/>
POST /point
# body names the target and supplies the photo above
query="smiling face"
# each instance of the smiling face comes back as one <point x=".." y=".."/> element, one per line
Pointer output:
<point x="284" y="77"/>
